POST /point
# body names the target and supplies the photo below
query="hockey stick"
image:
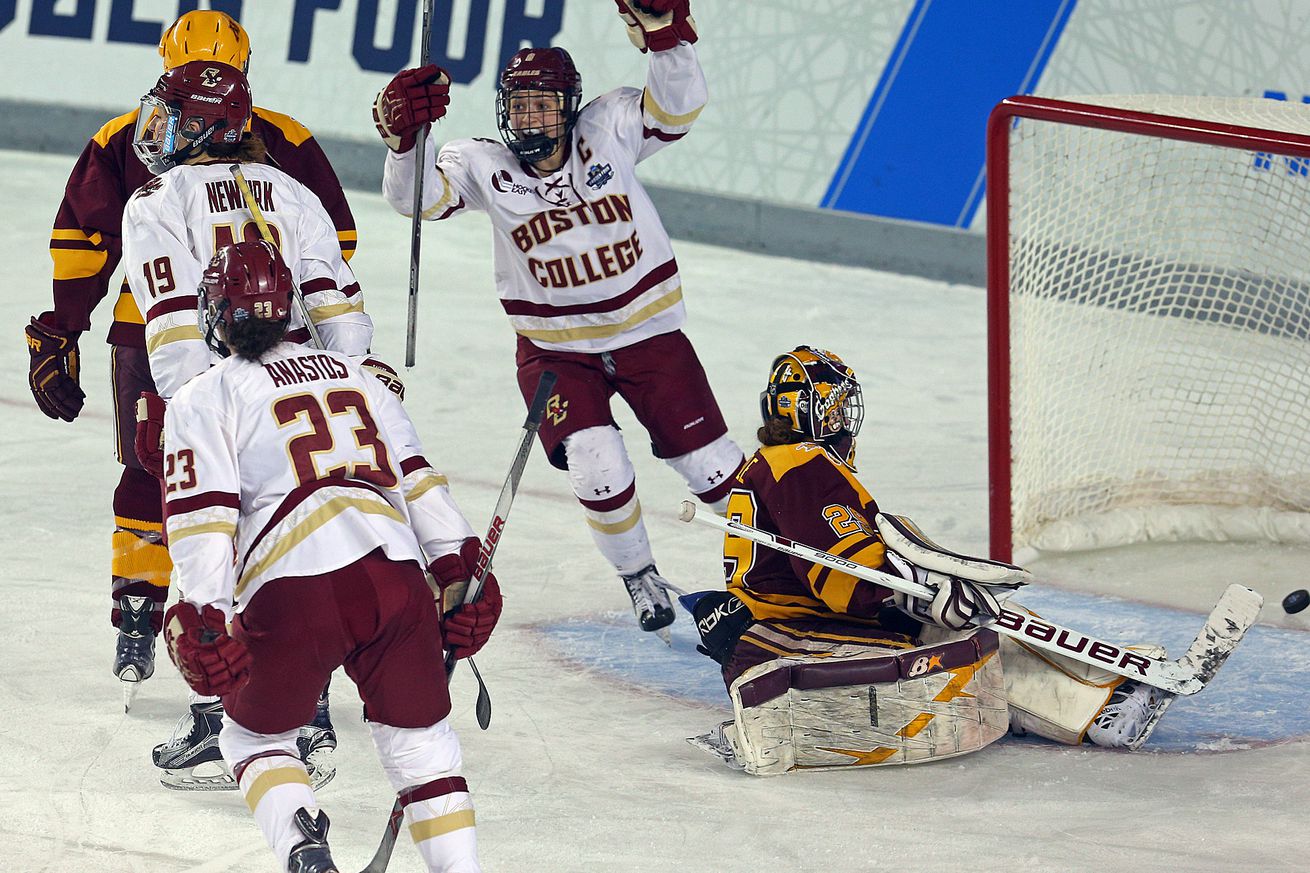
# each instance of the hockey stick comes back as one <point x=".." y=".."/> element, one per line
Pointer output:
<point x="1230" y="619"/>
<point x="416" y="216"/>
<point x="314" y="339"/>
<point x="483" y="707"/>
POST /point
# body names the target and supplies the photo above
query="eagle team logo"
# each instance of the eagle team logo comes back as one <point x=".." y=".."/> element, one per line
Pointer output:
<point x="210" y="77"/>
<point x="557" y="409"/>
<point x="598" y="175"/>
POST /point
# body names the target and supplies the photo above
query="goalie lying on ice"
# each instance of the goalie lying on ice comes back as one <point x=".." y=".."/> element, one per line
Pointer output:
<point x="828" y="670"/>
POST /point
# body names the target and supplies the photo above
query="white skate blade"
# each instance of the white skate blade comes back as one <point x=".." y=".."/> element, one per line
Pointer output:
<point x="716" y="744"/>
<point x="210" y="776"/>
<point x="131" y="681"/>
<point x="665" y="634"/>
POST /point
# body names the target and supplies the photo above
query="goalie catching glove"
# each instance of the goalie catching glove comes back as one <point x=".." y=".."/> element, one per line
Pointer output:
<point x="209" y="659"/>
<point x="657" y="25"/>
<point x="413" y="98"/>
<point x="52" y="373"/>
<point x="465" y="627"/>
<point x="966" y="591"/>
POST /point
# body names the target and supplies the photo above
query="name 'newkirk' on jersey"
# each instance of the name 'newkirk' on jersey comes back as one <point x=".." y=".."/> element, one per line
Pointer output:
<point x="225" y="195"/>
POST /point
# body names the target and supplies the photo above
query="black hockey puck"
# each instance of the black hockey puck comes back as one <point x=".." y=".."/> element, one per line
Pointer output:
<point x="1296" y="601"/>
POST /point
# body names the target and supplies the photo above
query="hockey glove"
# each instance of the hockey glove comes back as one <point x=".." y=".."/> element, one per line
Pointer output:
<point x="957" y="604"/>
<point x="384" y="373"/>
<point x="210" y="660"/>
<point x="657" y="25"/>
<point x="53" y="371"/>
<point x="465" y="628"/>
<point x="149" y="441"/>
<point x="413" y="98"/>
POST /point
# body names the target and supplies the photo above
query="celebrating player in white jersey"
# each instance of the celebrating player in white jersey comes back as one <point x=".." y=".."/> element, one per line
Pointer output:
<point x="584" y="268"/>
<point x="191" y="130"/>
<point x="307" y="469"/>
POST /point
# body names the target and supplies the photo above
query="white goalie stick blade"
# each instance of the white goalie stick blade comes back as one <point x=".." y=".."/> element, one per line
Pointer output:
<point x="1228" y="622"/>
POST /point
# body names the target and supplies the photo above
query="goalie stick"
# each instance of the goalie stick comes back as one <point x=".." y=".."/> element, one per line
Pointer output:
<point x="314" y="339"/>
<point x="483" y="706"/>
<point x="1227" y="623"/>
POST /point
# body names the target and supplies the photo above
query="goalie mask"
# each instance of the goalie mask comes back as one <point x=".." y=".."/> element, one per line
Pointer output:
<point x="205" y="35"/>
<point x="537" y="102"/>
<point x="817" y="395"/>
<point x="243" y="281"/>
<point x="191" y="106"/>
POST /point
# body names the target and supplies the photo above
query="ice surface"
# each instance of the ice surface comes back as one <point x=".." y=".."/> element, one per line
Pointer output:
<point x="585" y="768"/>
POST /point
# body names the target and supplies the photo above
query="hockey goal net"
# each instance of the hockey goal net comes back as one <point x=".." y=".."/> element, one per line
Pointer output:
<point x="1148" y="321"/>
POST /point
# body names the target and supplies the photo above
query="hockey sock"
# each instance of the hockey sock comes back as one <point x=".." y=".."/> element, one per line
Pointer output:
<point x="605" y="484"/>
<point x="709" y="471"/>
<point x="140" y="566"/>
<point x="275" y="784"/>
<point x="439" y="815"/>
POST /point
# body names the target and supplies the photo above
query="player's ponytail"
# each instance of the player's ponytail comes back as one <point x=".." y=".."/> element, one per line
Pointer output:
<point x="251" y="338"/>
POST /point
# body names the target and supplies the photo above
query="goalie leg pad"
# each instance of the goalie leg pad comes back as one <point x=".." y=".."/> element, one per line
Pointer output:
<point x="1052" y="696"/>
<point x="904" y="537"/>
<point x="873" y="709"/>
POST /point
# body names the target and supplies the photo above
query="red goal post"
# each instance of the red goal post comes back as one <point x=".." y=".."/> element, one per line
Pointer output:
<point x="1148" y="321"/>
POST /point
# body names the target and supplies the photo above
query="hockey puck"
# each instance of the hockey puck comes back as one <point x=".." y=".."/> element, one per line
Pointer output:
<point x="1296" y="601"/>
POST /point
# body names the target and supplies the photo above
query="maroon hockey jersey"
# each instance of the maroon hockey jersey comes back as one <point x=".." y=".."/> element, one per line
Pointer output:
<point x="806" y="494"/>
<point x="85" y="243"/>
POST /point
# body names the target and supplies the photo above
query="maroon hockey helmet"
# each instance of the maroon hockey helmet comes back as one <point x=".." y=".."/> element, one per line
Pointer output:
<point x="537" y="72"/>
<point x="191" y="106"/>
<point x="243" y="281"/>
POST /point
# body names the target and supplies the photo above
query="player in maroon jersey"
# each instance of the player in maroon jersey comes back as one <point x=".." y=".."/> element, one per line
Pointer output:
<point x="809" y="618"/>
<point x="85" y="246"/>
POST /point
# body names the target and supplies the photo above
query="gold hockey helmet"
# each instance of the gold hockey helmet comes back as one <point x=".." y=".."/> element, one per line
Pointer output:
<point x="816" y="393"/>
<point x="206" y="35"/>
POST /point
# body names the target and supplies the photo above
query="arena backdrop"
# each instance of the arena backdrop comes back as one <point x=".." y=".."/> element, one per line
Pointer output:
<point x="874" y="107"/>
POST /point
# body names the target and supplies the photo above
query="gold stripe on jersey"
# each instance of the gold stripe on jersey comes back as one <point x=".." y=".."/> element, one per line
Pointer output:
<point x="661" y="115"/>
<point x="77" y="263"/>
<point x="759" y="643"/>
<point x="332" y="310"/>
<point x="617" y="527"/>
<point x="441" y="825"/>
<point x="850" y="638"/>
<point x="76" y="234"/>
<point x="349" y="241"/>
<point x="173" y="335"/>
<point x="601" y="331"/>
<point x="295" y="132"/>
<point x="446" y="199"/>
<point x="427" y="481"/>
<point x="113" y="126"/>
<point x="228" y="528"/>
<point x="270" y="779"/>
<point x="125" y="309"/>
<point x="838" y="587"/>
<point x="305" y="528"/>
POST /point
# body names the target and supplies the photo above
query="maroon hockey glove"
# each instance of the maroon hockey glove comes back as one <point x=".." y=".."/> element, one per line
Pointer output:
<point x="657" y="25"/>
<point x="465" y="629"/>
<point x="209" y="660"/>
<point x="413" y="98"/>
<point x="53" y="371"/>
<point x="149" y="442"/>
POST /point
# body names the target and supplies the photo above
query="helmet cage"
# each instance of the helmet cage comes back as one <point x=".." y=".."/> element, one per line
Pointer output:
<point x="162" y="140"/>
<point x="533" y="72"/>
<point x="816" y="393"/>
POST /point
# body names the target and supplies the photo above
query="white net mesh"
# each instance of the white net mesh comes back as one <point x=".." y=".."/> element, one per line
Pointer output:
<point x="1159" y="331"/>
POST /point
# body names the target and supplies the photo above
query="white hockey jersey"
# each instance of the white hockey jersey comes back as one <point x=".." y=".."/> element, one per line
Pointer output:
<point x="582" y="261"/>
<point x="173" y="224"/>
<point x="294" y="466"/>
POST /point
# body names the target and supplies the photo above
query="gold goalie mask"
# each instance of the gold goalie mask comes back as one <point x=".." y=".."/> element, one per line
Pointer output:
<point x="816" y="393"/>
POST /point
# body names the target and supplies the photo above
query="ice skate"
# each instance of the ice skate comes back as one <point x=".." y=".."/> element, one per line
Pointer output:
<point x="719" y="743"/>
<point x="311" y="855"/>
<point x="1131" y="715"/>
<point x="317" y="743"/>
<point x="134" y="653"/>
<point x="650" y="600"/>
<point x="190" y="759"/>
